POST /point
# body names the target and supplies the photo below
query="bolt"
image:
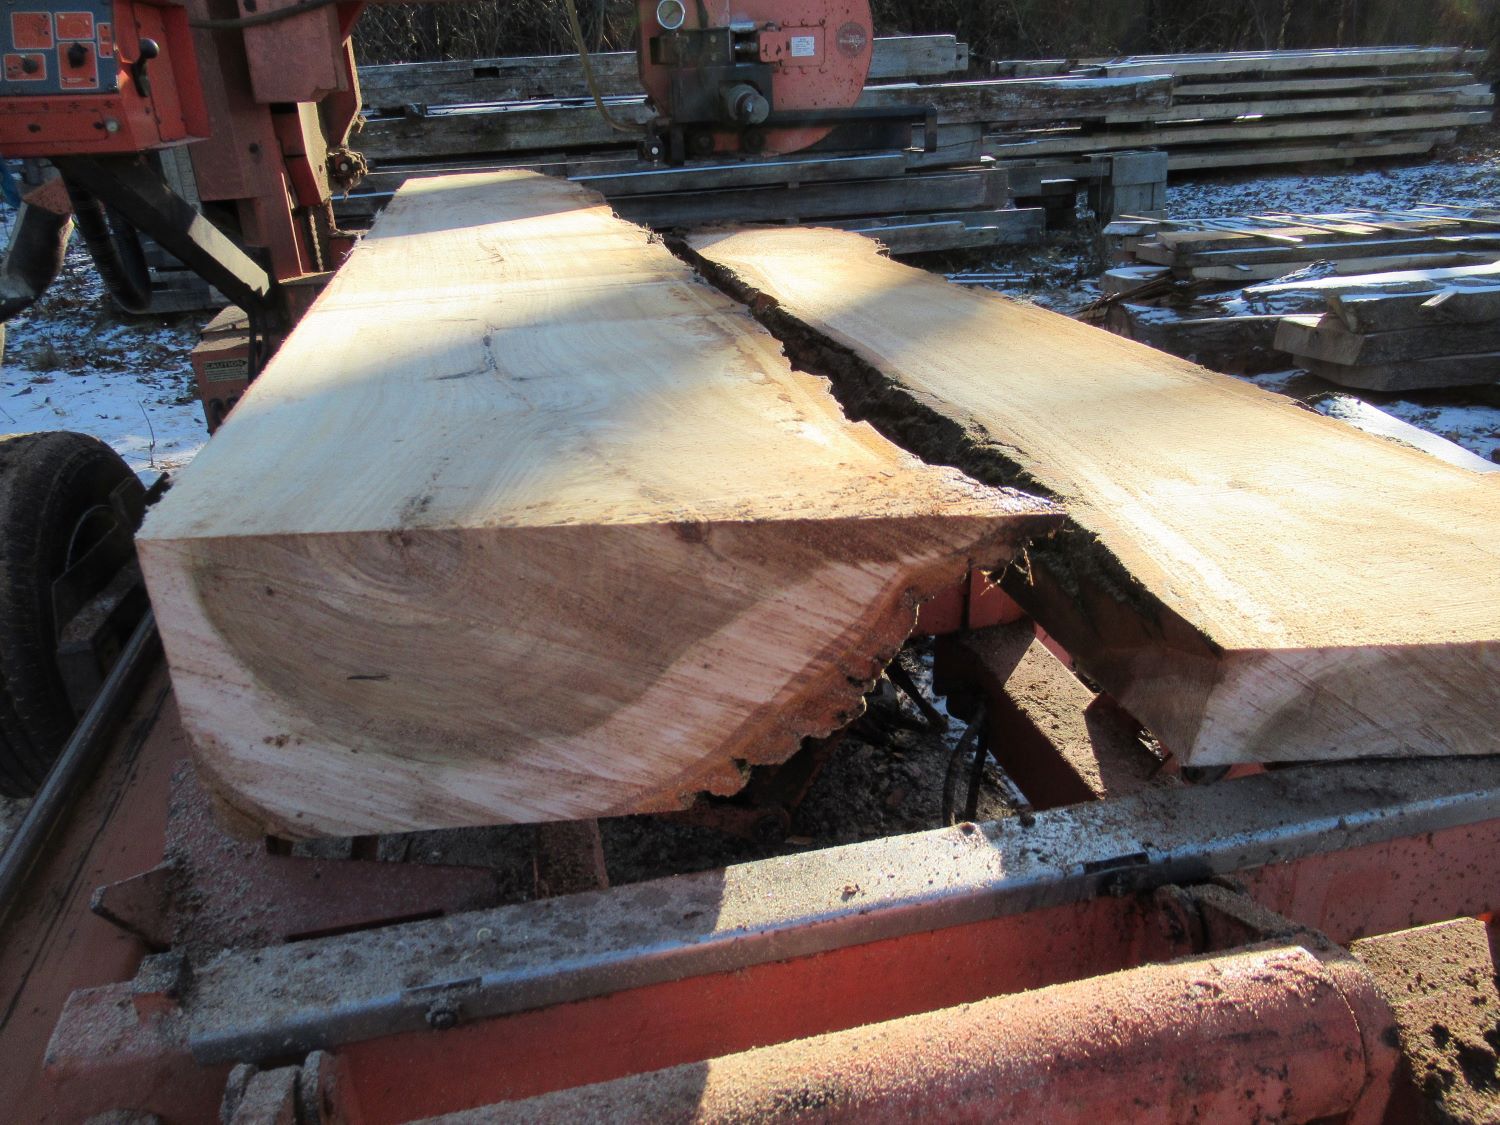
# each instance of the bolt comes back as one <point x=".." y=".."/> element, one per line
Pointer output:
<point x="442" y="1015"/>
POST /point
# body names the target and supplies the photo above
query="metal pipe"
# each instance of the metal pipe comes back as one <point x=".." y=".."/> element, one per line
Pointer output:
<point x="1257" y="1034"/>
<point x="75" y="765"/>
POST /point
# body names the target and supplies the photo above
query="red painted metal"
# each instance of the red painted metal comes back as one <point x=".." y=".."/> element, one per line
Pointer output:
<point x="1256" y="1035"/>
<point x="825" y="70"/>
<point x="975" y="603"/>
<point x="132" y="119"/>
<point x="1380" y="888"/>
<point x="402" y="1077"/>
<point x="52" y="944"/>
<point x="212" y="890"/>
<point x="135" y="1061"/>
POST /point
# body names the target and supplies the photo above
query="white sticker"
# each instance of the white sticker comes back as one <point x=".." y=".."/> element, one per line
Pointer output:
<point x="804" y="46"/>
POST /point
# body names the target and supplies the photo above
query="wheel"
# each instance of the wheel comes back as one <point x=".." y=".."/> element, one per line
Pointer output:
<point x="55" y="493"/>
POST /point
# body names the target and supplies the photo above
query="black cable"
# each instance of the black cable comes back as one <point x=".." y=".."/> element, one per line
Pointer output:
<point x="116" y="248"/>
<point x="971" y="738"/>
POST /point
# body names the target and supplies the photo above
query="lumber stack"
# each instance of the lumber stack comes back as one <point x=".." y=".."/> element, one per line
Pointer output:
<point x="1248" y="109"/>
<point x="1384" y="301"/>
<point x="1264" y="247"/>
<point x="1402" y="335"/>
<point x="536" y="114"/>
<point x="1253" y="581"/>
<point x="542" y="528"/>
<point x="389" y="90"/>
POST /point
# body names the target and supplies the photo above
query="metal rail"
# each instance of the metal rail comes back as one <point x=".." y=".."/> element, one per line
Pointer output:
<point x="75" y="765"/>
<point x="273" y="1003"/>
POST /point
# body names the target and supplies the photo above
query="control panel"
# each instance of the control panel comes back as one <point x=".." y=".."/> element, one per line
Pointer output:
<point x="57" y="47"/>
<point x="94" y="77"/>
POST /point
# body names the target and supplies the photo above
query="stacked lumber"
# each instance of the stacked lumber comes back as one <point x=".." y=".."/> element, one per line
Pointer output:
<point x="1251" y="580"/>
<point x="914" y="192"/>
<point x="1376" y="300"/>
<point x="389" y="90"/>
<point x="1247" y="109"/>
<point x="1402" y="335"/>
<point x="1263" y="247"/>
<point x="543" y="528"/>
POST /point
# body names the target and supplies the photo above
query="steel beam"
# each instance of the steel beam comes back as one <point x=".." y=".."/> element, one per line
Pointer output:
<point x="271" y="1003"/>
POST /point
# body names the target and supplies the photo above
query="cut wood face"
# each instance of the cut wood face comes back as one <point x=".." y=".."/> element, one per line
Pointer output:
<point x="526" y="522"/>
<point x="1255" y="582"/>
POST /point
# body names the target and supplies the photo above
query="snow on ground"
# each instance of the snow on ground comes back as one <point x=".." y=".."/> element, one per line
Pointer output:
<point x="73" y="363"/>
<point x="1475" y="425"/>
<point x="1459" y="181"/>
<point x="1062" y="275"/>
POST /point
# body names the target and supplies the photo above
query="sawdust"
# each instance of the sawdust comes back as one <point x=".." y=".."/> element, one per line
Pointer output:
<point x="1441" y="982"/>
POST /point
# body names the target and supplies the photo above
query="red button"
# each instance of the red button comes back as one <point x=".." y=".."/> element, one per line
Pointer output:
<point x="31" y="31"/>
<point x="75" y="25"/>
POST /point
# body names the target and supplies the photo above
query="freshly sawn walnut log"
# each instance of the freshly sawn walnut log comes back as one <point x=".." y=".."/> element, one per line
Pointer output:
<point x="526" y="522"/>
<point x="1251" y="580"/>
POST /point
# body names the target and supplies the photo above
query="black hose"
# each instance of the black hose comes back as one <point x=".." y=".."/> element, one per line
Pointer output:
<point x="116" y="248"/>
<point x="38" y="246"/>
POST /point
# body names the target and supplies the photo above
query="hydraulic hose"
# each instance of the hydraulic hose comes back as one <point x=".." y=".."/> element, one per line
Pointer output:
<point x="116" y="249"/>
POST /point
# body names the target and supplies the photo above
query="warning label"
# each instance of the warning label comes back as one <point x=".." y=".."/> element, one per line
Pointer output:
<point x="225" y="370"/>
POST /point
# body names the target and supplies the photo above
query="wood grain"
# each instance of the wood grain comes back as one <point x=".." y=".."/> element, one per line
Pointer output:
<point x="1253" y="581"/>
<point x="525" y="522"/>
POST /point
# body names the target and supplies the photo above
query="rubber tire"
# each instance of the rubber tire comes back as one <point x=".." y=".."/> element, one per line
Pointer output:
<point x="47" y="482"/>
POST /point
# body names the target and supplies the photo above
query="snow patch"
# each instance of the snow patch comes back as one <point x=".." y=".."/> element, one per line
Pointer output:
<point x="71" y="363"/>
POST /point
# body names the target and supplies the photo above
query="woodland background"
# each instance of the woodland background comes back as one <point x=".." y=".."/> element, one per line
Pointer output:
<point x="994" y="29"/>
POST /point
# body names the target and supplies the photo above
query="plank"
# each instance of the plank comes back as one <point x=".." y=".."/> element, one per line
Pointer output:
<point x="1237" y="345"/>
<point x="543" y="528"/>
<point x="706" y="176"/>
<point x="1327" y="338"/>
<point x="1424" y="280"/>
<point x="1324" y="84"/>
<point x="1250" y="580"/>
<point x="1267" y="271"/>
<point x="984" y="189"/>
<point x="1410" y="375"/>
<point x="956" y="230"/>
<point x="576" y="123"/>
<point x="624" y="175"/>
<point x="1431" y="101"/>
<point x="517" y="127"/>
<point x="1024" y="100"/>
<point x="1439" y="304"/>
<point x="1279" y="62"/>
<point x="1238" y="132"/>
<point x="1342" y="250"/>
<point x="389" y="87"/>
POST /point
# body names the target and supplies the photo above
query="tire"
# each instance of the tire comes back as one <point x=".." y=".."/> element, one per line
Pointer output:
<point x="48" y="481"/>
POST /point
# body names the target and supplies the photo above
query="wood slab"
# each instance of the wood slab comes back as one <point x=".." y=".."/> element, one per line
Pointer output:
<point x="1327" y="338"/>
<point x="526" y="522"/>
<point x="1252" y="581"/>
